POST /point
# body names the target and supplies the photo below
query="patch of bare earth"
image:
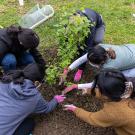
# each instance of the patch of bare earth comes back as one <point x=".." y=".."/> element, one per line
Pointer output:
<point x="60" y="122"/>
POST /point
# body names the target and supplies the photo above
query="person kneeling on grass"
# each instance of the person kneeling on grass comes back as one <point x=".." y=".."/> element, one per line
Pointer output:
<point x="106" y="56"/>
<point x="19" y="98"/>
<point x="119" y="110"/>
<point x="18" y="48"/>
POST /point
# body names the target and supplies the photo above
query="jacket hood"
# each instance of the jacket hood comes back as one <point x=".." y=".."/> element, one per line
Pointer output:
<point x="23" y="91"/>
<point x="4" y="37"/>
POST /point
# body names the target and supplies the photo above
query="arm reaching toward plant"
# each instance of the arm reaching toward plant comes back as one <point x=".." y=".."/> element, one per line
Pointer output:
<point x="44" y="106"/>
<point x="100" y="118"/>
<point x="70" y="107"/>
<point x="74" y="65"/>
<point x="77" y="86"/>
<point x="78" y="62"/>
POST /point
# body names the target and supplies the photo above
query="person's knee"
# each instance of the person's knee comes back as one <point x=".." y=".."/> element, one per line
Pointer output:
<point x="9" y="59"/>
<point x="99" y="36"/>
<point x="27" y="58"/>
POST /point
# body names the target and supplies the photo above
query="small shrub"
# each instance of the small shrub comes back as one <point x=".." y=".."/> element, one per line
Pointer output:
<point x="71" y="32"/>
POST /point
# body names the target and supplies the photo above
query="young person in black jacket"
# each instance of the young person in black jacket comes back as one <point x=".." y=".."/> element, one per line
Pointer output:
<point x="18" y="48"/>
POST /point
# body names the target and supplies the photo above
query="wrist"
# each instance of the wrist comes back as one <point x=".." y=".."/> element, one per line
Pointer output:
<point x="65" y="71"/>
<point x="68" y="69"/>
<point x="75" y="86"/>
<point x="74" y="108"/>
<point x="56" y="100"/>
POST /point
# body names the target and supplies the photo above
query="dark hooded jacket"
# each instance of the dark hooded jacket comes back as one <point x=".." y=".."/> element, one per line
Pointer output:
<point x="93" y="16"/>
<point x="12" y="46"/>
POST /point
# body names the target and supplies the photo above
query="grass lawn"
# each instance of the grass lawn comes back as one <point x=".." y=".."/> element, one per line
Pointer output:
<point x="120" y="24"/>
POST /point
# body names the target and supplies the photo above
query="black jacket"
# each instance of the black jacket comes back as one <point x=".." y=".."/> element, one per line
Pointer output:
<point x="93" y="16"/>
<point x="8" y="45"/>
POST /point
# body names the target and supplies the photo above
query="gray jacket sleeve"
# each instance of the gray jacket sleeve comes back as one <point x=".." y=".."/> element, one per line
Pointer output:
<point x="45" y="107"/>
<point x="78" y="62"/>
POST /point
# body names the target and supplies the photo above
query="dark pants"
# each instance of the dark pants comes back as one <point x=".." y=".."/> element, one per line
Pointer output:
<point x="26" y="127"/>
<point x="9" y="62"/>
<point x="95" y="37"/>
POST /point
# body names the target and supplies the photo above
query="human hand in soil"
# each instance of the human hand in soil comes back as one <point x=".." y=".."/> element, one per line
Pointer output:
<point x="60" y="98"/>
<point x="86" y="91"/>
<point x="64" y="76"/>
<point x="70" y="88"/>
<point x="69" y="107"/>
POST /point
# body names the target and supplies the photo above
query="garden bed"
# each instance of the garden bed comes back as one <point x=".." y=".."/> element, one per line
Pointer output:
<point x="60" y="122"/>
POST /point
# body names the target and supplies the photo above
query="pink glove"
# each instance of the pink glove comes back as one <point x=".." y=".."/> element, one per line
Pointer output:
<point x="64" y="75"/>
<point x="78" y="75"/>
<point x="70" y="107"/>
<point x="59" y="98"/>
<point x="70" y="88"/>
<point x="65" y="71"/>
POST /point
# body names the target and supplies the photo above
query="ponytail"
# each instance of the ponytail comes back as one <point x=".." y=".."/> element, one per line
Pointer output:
<point x="133" y="82"/>
<point x="31" y="72"/>
<point x="111" y="83"/>
<point x="16" y="76"/>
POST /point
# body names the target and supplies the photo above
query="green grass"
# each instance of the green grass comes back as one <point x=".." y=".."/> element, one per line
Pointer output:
<point x="120" y="25"/>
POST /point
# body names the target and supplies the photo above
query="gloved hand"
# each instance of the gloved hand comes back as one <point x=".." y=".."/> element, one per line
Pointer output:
<point x="63" y="76"/>
<point x="88" y="91"/>
<point x="70" y="107"/>
<point x="59" y="98"/>
<point x="70" y="88"/>
<point x="78" y="75"/>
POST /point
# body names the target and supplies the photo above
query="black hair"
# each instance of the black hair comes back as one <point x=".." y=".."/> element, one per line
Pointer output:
<point x="31" y="72"/>
<point x="13" y="31"/>
<point x="111" y="83"/>
<point x="97" y="55"/>
<point x="27" y="37"/>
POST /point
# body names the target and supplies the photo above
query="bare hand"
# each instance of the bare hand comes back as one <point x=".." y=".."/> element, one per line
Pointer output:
<point x="86" y="91"/>
<point x="69" y="108"/>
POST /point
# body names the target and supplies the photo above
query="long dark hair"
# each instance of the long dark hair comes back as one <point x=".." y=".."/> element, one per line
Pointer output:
<point x="111" y="83"/>
<point x="13" y="31"/>
<point x="97" y="55"/>
<point x="31" y="72"/>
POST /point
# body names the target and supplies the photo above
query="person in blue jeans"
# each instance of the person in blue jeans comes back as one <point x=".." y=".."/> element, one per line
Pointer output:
<point x="18" y="48"/>
<point x="19" y="98"/>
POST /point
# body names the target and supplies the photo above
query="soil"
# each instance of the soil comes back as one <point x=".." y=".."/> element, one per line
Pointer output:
<point x="61" y="122"/>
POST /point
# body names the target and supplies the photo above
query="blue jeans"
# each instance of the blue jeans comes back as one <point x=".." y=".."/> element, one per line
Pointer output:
<point x="10" y="62"/>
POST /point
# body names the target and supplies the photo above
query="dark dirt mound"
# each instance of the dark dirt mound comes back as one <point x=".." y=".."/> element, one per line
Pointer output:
<point x="61" y="122"/>
<point x="65" y="123"/>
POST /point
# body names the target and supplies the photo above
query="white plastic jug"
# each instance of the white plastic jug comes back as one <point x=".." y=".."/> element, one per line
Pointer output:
<point x="21" y="2"/>
<point x="36" y="16"/>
